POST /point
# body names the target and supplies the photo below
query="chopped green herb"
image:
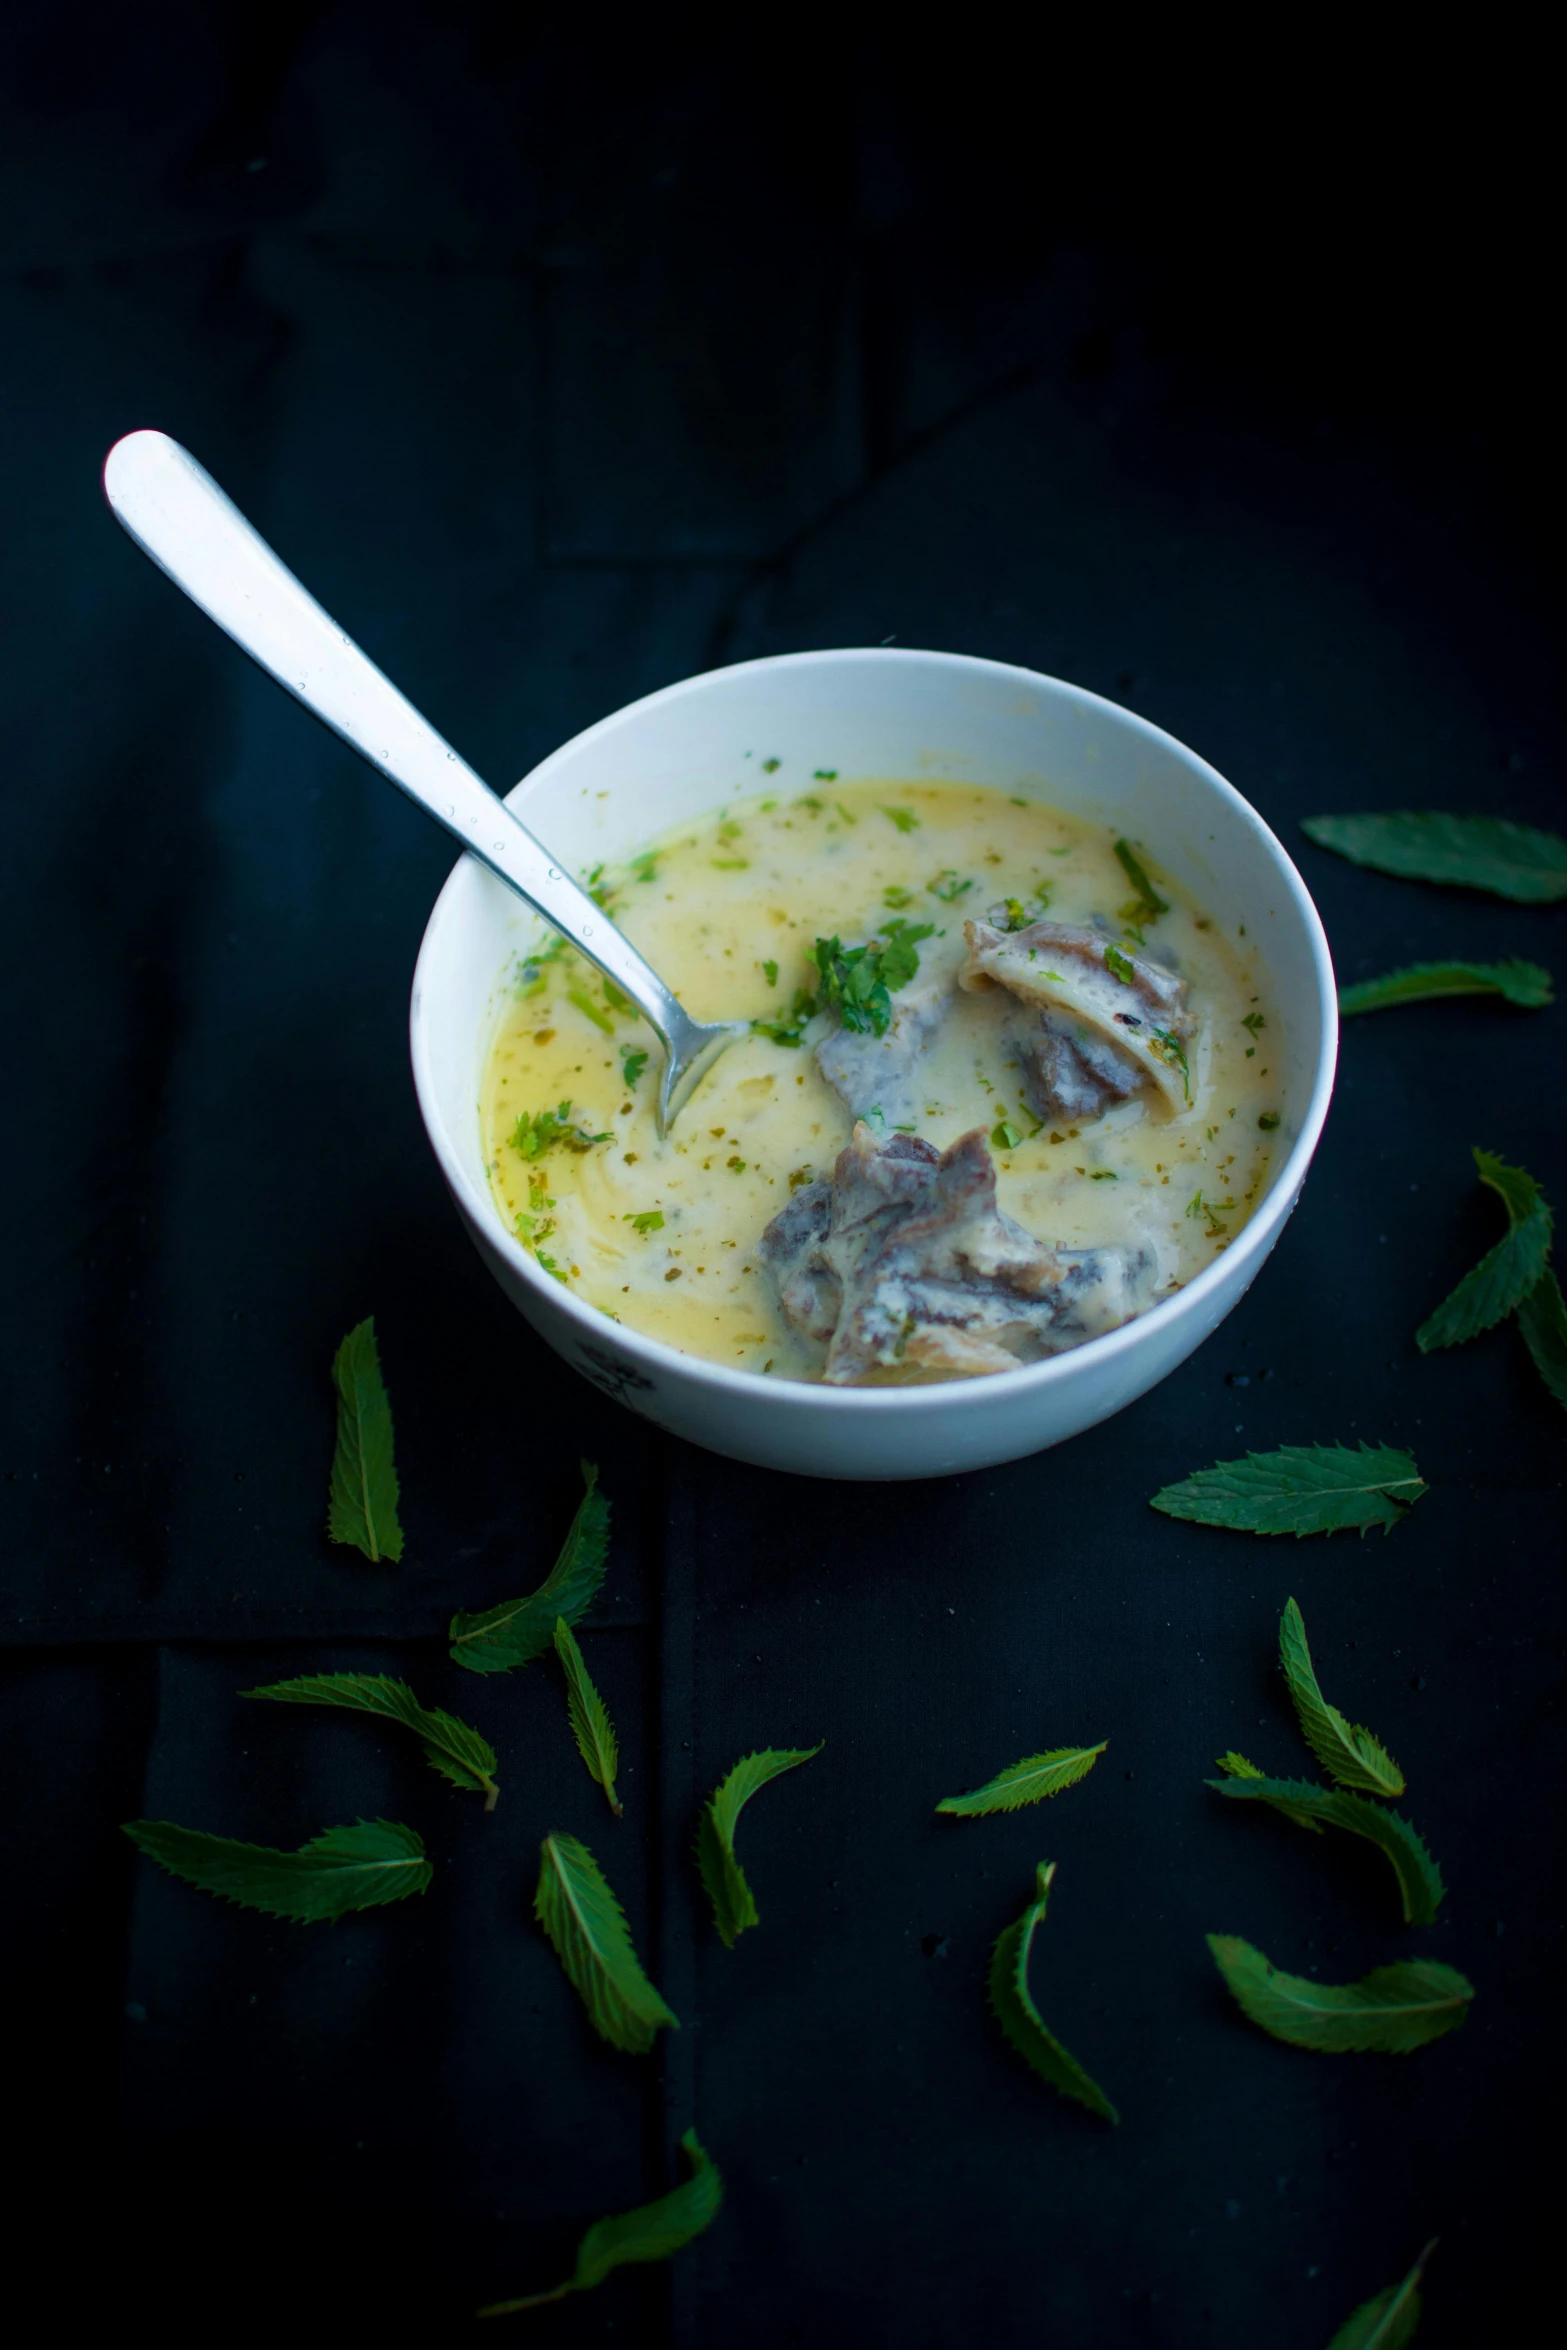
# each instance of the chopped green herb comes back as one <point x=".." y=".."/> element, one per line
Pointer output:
<point x="1148" y="905"/>
<point x="535" y="1135"/>
<point x="650" y="1220"/>
<point x="858" y="982"/>
<point x="1169" y="1047"/>
<point x="1255" y="1022"/>
<point x="1268" y="1121"/>
<point x="770" y="970"/>
<point x="903" y="818"/>
<point x="1212" y="1209"/>
<point x="632" y="1066"/>
<point x="809" y="800"/>
<point x="1103" y="1175"/>
<point x="789" y="1031"/>
<point x="594" y="1012"/>
<point x="844" y="813"/>
<point x="1004" y="1135"/>
<point x="824" y="774"/>
<point x="948" y="886"/>
<point x="1016" y="916"/>
<point x="1120" y="966"/>
<point x="645" y="867"/>
<point x="730" y="864"/>
<point x="771" y="766"/>
<point x="736" y="1164"/>
<point x="897" y="898"/>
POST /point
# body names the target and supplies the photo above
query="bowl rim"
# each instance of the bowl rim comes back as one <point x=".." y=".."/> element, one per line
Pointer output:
<point x="809" y="1396"/>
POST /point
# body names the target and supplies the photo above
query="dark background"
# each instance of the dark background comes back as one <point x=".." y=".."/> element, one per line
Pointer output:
<point x="562" y="361"/>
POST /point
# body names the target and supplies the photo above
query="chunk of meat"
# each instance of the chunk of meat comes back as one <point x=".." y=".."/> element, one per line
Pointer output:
<point x="904" y="1268"/>
<point x="882" y="1072"/>
<point x="1096" y="1022"/>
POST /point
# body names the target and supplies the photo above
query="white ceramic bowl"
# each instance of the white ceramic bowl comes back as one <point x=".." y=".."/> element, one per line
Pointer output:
<point x="874" y="713"/>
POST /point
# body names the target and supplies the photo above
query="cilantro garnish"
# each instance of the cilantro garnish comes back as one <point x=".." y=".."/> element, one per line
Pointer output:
<point x="771" y="971"/>
<point x="1268" y="1121"/>
<point x="1004" y="1135"/>
<point x="1254" y="1021"/>
<point x="1148" y="905"/>
<point x="1170" y="1048"/>
<point x="904" y="818"/>
<point x="650" y="1220"/>
<point x="632" y="1066"/>
<point x="858" y="982"/>
<point x="948" y="886"/>
<point x="789" y="1031"/>
<point x="1120" y="966"/>
<point x="535" y="1135"/>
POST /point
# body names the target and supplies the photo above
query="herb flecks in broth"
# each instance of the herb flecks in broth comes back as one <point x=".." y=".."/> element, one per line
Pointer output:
<point x="832" y="865"/>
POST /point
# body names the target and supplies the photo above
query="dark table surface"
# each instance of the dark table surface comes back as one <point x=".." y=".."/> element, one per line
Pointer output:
<point x="562" y="363"/>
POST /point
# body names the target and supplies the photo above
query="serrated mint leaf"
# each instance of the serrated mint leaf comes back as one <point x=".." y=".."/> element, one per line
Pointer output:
<point x="1391" y="2010"/>
<point x="1389" y="2319"/>
<point x="590" y="1722"/>
<point x="517" y="1631"/>
<point x="1519" y="983"/>
<point x="362" y="1500"/>
<point x="1505" y="1274"/>
<point x="1348" y="1754"/>
<point x="734" y="1908"/>
<point x="1543" y="1320"/>
<point x="586" y="1924"/>
<point x="1013" y="2006"/>
<point x="1236" y="1766"/>
<point x="652" y="2232"/>
<point x="346" y="1869"/>
<point x="1464" y="852"/>
<point x="450" y="1746"/>
<point x="1029" y="1781"/>
<point x="1300" y="1489"/>
<point x="1419" y="1879"/>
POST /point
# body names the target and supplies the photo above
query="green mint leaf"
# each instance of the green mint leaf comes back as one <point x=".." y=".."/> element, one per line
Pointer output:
<point x="498" y="1638"/>
<point x="1520" y="983"/>
<point x="1420" y="1883"/>
<point x="362" y="1499"/>
<point x="652" y="2232"/>
<point x="1014" y="2009"/>
<point x="632" y="1066"/>
<point x="1237" y="1767"/>
<point x="1543" y="1320"/>
<point x="345" y="1869"/>
<point x="1300" y="1489"/>
<point x="450" y="1746"/>
<point x="1389" y="2319"/>
<point x="1120" y="966"/>
<point x="1029" y="1781"/>
<point x="590" y="1723"/>
<point x="588" y="1928"/>
<point x="1392" y="2010"/>
<point x="1347" y="1753"/>
<point x="1465" y="852"/>
<point x="1505" y="1274"/>
<point x="903" y="818"/>
<point x="734" y="1908"/>
<point x="1148" y="904"/>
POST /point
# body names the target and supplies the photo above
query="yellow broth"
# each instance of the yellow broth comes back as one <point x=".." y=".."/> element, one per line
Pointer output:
<point x="662" y="1236"/>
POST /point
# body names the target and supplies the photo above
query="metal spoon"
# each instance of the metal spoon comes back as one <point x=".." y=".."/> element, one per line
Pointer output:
<point x="177" y="514"/>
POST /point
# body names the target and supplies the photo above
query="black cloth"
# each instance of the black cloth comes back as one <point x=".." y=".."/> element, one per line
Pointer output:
<point x="561" y="363"/>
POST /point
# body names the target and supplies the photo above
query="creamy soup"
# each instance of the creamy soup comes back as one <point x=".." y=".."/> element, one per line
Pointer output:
<point x="1027" y="980"/>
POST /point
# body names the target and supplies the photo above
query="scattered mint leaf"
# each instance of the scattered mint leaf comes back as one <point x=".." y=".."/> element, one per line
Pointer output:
<point x="1237" y="1767"/>
<point x="734" y="1908"/>
<point x="1419" y="1879"/>
<point x="1019" y="2018"/>
<point x="1505" y="1274"/>
<point x="1148" y="904"/>
<point x="450" y="1746"/>
<point x="1389" y="2319"/>
<point x="1391" y="2010"/>
<point x="1466" y="852"/>
<point x="587" y="1926"/>
<point x="652" y="2232"/>
<point x="346" y="1869"/>
<point x="632" y="1066"/>
<point x="903" y="818"/>
<point x="1543" y="1320"/>
<point x="520" y="1629"/>
<point x="590" y="1723"/>
<point x="535" y="1135"/>
<point x="1029" y="1781"/>
<point x="789" y="1031"/>
<point x="1300" y="1489"/>
<point x="1348" y="1754"/>
<point x="1519" y="983"/>
<point x="362" y="1500"/>
<point x="770" y="972"/>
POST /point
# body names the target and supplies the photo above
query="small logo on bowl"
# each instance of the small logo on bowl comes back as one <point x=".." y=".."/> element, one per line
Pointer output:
<point x="610" y="1374"/>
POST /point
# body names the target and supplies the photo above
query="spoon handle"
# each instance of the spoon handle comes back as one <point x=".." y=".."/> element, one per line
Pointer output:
<point x="177" y="514"/>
